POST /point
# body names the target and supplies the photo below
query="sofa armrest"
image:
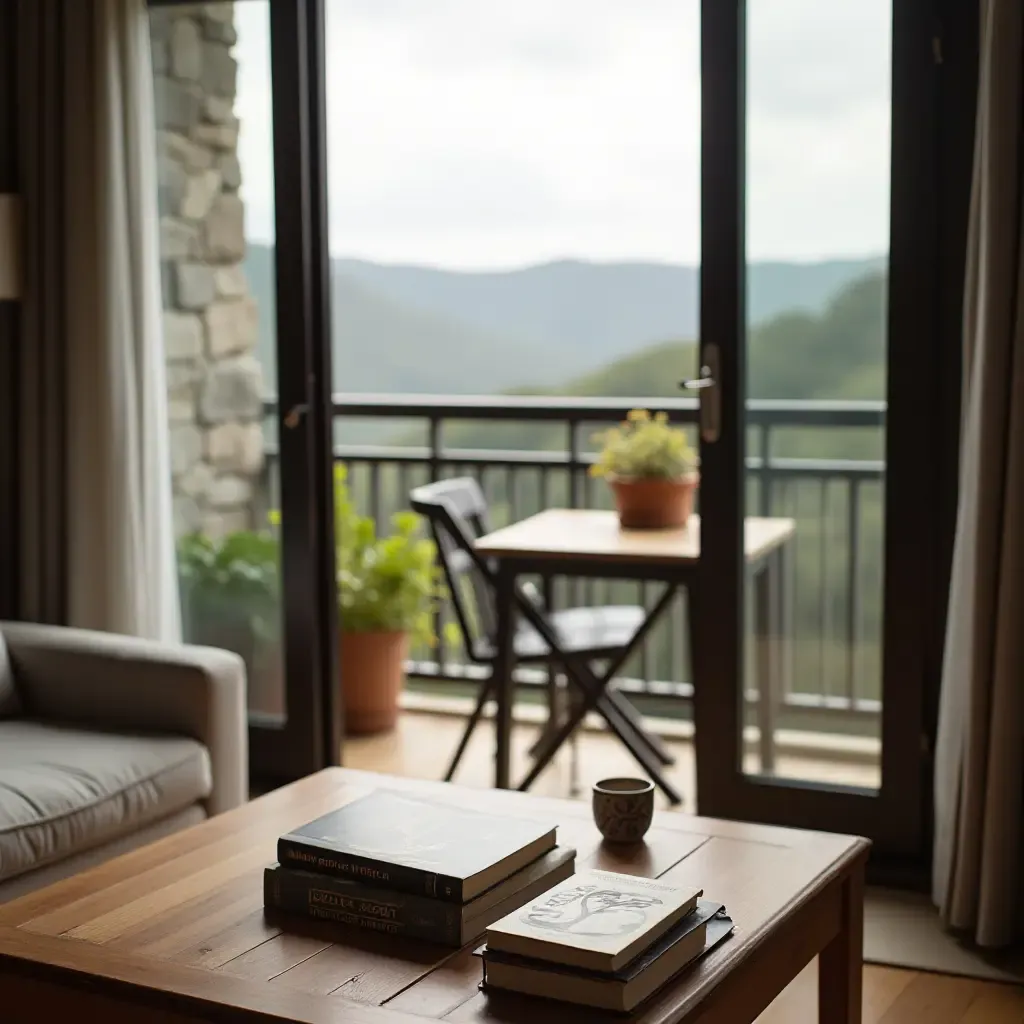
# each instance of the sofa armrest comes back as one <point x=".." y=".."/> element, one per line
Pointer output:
<point x="109" y="681"/>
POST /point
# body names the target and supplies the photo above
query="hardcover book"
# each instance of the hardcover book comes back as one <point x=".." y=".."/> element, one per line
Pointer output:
<point x="394" y="841"/>
<point x="354" y="903"/>
<point x="596" y="920"/>
<point x="693" y="936"/>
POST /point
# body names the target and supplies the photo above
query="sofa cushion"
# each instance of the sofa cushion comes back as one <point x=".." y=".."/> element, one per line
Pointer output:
<point x="8" y="695"/>
<point x="65" y="790"/>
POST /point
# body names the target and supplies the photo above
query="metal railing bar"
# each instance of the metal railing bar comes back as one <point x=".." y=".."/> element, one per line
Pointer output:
<point x="853" y="588"/>
<point x="787" y="412"/>
<point x="873" y="469"/>
<point x="560" y="477"/>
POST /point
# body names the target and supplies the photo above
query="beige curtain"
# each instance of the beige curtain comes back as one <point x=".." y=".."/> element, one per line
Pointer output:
<point x="96" y="504"/>
<point x="978" y="881"/>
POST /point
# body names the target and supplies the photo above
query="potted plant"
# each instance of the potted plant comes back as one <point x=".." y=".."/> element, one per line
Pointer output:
<point x="388" y="588"/>
<point x="230" y="598"/>
<point x="652" y="471"/>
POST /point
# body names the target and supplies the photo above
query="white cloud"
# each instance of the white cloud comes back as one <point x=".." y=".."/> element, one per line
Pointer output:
<point x="469" y="133"/>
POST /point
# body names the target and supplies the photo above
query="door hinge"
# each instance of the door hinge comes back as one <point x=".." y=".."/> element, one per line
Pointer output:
<point x="295" y="415"/>
<point x="937" y="48"/>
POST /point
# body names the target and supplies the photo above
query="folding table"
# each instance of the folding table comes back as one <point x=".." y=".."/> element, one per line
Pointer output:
<point x="590" y="543"/>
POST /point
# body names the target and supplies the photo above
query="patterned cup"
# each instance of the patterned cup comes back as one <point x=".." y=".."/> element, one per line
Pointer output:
<point x="623" y="809"/>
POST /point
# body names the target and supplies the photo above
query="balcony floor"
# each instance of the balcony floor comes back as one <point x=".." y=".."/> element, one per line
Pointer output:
<point x="423" y="743"/>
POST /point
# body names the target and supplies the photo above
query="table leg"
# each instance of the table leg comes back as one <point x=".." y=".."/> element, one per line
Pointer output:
<point x="504" y="664"/>
<point x="556" y="689"/>
<point x="841" y="962"/>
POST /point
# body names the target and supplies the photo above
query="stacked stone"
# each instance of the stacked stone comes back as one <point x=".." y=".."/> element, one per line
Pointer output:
<point x="215" y="388"/>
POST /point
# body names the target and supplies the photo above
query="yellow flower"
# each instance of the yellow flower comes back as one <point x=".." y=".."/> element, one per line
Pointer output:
<point x="644" y="446"/>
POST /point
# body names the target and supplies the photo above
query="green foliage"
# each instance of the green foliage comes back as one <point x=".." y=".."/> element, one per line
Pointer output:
<point x="797" y="355"/>
<point x="384" y="344"/>
<point x="404" y="328"/>
<point x="644" y="446"/>
<point x="384" y="583"/>
<point x="232" y="578"/>
<point x="839" y="353"/>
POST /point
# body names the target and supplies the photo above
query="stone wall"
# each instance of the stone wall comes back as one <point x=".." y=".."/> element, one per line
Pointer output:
<point x="210" y="320"/>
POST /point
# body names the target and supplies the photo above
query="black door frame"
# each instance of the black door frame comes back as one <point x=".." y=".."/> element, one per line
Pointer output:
<point x="931" y="116"/>
<point x="309" y="736"/>
<point x="332" y="726"/>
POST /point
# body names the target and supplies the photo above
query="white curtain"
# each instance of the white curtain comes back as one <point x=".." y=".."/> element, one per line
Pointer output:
<point x="93" y="320"/>
<point x="978" y="874"/>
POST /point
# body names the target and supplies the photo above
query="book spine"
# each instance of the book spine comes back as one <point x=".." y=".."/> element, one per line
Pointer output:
<point x="294" y="854"/>
<point x="328" y="899"/>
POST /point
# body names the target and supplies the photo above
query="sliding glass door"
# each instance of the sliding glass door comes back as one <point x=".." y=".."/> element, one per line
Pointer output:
<point x="819" y="146"/>
<point x="517" y="215"/>
<point x="237" y="137"/>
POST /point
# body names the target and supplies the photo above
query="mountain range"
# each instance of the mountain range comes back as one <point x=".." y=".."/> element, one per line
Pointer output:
<point x="839" y="353"/>
<point x="399" y="328"/>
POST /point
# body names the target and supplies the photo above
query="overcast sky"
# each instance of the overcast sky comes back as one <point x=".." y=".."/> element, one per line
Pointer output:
<point x="497" y="133"/>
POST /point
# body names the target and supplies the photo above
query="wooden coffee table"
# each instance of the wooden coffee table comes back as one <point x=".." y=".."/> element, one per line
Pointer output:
<point x="175" y="931"/>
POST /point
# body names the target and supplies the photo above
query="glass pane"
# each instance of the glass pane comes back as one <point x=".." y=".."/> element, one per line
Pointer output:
<point x="515" y="209"/>
<point x="817" y="250"/>
<point x="211" y="71"/>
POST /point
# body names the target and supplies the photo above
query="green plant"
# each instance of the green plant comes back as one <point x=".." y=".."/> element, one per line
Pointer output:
<point x="231" y="579"/>
<point x="644" y="446"/>
<point x="384" y="583"/>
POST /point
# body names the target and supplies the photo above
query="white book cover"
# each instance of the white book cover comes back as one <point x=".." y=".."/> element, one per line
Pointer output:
<point x="597" y="920"/>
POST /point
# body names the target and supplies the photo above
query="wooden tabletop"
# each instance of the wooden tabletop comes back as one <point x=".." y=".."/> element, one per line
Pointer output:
<point x="592" y="535"/>
<point x="179" y="924"/>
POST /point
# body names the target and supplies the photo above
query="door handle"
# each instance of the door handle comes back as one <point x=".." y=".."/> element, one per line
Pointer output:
<point x="707" y="385"/>
<point x="705" y="380"/>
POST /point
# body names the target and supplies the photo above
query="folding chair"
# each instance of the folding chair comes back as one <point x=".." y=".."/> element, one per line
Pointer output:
<point x="457" y="513"/>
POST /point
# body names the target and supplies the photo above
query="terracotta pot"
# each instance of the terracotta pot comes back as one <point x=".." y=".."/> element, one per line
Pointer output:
<point x="372" y="667"/>
<point x="650" y="503"/>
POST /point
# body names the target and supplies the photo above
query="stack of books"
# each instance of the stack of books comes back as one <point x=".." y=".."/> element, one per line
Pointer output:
<point x="602" y="940"/>
<point x="391" y="863"/>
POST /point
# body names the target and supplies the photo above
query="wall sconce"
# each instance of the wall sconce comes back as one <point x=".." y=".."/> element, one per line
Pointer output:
<point x="10" y="246"/>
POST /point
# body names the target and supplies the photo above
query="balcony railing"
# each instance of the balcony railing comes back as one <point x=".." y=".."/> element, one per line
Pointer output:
<point x="531" y="452"/>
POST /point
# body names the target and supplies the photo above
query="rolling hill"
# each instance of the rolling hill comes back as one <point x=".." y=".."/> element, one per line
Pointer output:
<point x="839" y="353"/>
<point x="600" y="310"/>
<point x="422" y="330"/>
<point x="381" y="345"/>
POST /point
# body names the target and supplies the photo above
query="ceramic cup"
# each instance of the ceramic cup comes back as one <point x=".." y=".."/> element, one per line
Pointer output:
<point x="623" y="809"/>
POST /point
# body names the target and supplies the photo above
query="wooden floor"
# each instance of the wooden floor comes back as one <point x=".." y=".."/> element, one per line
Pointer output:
<point x="422" y="744"/>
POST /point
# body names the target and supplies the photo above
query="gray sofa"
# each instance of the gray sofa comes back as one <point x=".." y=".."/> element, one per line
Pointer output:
<point x="107" y="743"/>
